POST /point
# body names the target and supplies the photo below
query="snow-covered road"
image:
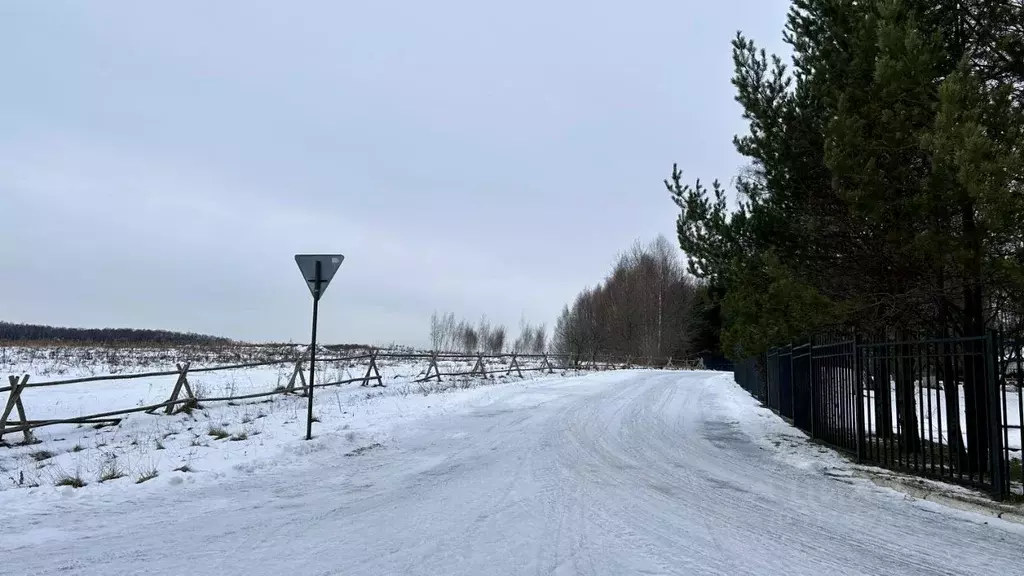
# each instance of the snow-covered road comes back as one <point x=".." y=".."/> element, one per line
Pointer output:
<point x="613" y="473"/>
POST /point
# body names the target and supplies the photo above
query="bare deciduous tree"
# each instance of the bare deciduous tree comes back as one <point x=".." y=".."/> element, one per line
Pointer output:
<point x="436" y="332"/>
<point x="539" y="343"/>
<point x="495" y="343"/>
<point x="641" y="309"/>
<point x="524" y="341"/>
<point x="469" y="338"/>
<point x="447" y="334"/>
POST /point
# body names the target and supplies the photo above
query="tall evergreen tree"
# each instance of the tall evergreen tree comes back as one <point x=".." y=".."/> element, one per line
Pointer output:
<point x="885" y="183"/>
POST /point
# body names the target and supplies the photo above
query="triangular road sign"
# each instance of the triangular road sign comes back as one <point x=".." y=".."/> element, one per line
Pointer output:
<point x="329" y="264"/>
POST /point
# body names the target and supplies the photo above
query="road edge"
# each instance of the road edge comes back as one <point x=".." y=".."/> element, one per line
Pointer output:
<point x="916" y="488"/>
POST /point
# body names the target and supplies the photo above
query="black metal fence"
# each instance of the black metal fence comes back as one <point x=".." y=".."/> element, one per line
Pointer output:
<point x="945" y="408"/>
<point x="748" y="375"/>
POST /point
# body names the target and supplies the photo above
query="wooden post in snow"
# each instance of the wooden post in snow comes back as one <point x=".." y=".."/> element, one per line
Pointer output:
<point x="547" y="365"/>
<point x="14" y="402"/>
<point x="372" y="367"/>
<point x="480" y="367"/>
<point x="297" y="373"/>
<point x="514" y="364"/>
<point x="433" y="367"/>
<point x="180" y="384"/>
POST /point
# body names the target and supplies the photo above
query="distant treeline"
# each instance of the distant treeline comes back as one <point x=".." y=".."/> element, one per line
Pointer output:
<point x="450" y="335"/>
<point x="10" y="332"/>
<point x="648" y="307"/>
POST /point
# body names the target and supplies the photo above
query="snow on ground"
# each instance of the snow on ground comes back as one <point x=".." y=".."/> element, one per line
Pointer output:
<point x="932" y="416"/>
<point x="625" y="472"/>
<point x="218" y="439"/>
<point x="52" y="362"/>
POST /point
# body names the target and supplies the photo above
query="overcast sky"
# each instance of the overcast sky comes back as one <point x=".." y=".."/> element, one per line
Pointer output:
<point x="160" y="165"/>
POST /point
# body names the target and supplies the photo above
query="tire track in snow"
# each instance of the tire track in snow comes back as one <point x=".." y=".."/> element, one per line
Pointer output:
<point x="618" y="473"/>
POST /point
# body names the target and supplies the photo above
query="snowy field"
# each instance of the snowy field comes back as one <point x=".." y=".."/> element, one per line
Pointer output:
<point x="624" y="472"/>
<point x="53" y="362"/>
<point x="215" y="440"/>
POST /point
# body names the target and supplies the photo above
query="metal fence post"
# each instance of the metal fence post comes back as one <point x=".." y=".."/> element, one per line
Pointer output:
<point x="993" y="388"/>
<point x="859" y="387"/>
<point x="762" y="374"/>
<point x="792" y="383"/>
<point x="812" y="388"/>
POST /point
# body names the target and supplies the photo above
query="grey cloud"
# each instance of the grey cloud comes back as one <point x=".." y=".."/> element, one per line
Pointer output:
<point x="159" y="165"/>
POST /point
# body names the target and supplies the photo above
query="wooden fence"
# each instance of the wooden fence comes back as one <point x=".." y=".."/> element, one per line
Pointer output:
<point x="183" y="397"/>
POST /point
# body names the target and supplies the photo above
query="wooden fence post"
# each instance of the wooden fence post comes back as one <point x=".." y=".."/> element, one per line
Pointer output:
<point x="298" y="373"/>
<point x="547" y="365"/>
<point x="480" y="366"/>
<point x="514" y="364"/>
<point x="373" y="367"/>
<point x="433" y="366"/>
<point x="181" y="383"/>
<point x="669" y="365"/>
<point x="14" y="401"/>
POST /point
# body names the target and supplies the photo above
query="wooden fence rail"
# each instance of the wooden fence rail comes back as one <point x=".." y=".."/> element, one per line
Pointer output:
<point x="183" y="396"/>
<point x="138" y="375"/>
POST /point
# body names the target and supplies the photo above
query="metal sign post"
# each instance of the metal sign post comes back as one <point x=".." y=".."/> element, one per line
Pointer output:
<point x="318" y="279"/>
<point x="317" y="270"/>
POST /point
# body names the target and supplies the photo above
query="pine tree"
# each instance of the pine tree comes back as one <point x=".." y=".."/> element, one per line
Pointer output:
<point x="884" y="188"/>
